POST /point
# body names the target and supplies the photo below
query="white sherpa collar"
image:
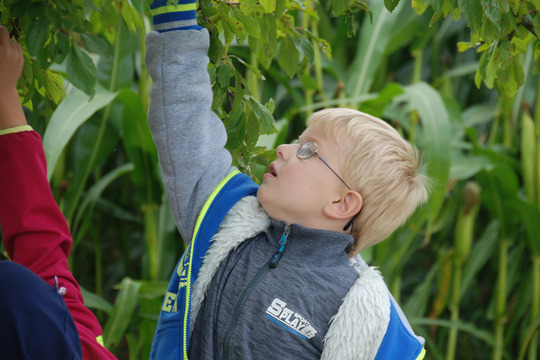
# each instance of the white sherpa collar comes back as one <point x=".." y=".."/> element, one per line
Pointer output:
<point x="246" y="219"/>
<point x="355" y="332"/>
<point x="358" y="328"/>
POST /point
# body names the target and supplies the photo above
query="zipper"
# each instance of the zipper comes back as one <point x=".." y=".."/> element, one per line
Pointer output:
<point x="210" y="200"/>
<point x="272" y="264"/>
<point x="200" y="217"/>
<point x="279" y="252"/>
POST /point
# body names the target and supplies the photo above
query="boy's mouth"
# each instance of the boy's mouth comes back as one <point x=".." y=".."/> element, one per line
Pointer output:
<point x="272" y="169"/>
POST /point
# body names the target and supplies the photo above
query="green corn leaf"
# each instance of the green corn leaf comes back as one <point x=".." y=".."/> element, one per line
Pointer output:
<point x="54" y="85"/>
<point x="419" y="6"/>
<point x="435" y="123"/>
<point x="288" y="56"/>
<point x="236" y="129"/>
<point x="491" y="68"/>
<point x="531" y="331"/>
<point x="153" y="289"/>
<point x="536" y="23"/>
<point x="123" y="310"/>
<point x="528" y="155"/>
<point x="504" y="5"/>
<point x="501" y="186"/>
<point x="37" y="36"/>
<point x="465" y="167"/>
<point x="252" y="130"/>
<point x="81" y="70"/>
<point x="237" y="27"/>
<point x="268" y="5"/>
<point x="340" y="6"/>
<point x="464" y="46"/>
<point x="377" y="105"/>
<point x="223" y="75"/>
<point x="61" y="48"/>
<point x="247" y="6"/>
<point x="262" y="112"/>
<point x="268" y="47"/>
<point x="131" y="17"/>
<point x="373" y="41"/>
<point x="472" y="11"/>
<point x="391" y="4"/>
<point x="137" y="139"/>
<point x="72" y="112"/>
<point x="251" y="24"/>
<point x="306" y="47"/>
<point x="258" y="74"/>
<point x="417" y="303"/>
<point x="96" y="45"/>
<point x="480" y="73"/>
<point x="94" y="301"/>
<point x="84" y="145"/>
<point x="140" y="5"/>
<point x="95" y="192"/>
<point x="468" y="328"/>
<point x="492" y="11"/>
<point x="530" y="213"/>
<point x="481" y="253"/>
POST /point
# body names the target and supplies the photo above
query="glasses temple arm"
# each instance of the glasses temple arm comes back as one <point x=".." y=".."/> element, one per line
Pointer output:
<point x="335" y="173"/>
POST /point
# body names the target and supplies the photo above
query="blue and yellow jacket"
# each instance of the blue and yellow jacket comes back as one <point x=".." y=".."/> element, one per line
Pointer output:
<point x="171" y="339"/>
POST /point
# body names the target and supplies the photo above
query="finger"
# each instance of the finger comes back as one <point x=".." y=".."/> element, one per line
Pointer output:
<point x="6" y="40"/>
<point x="18" y="49"/>
<point x="4" y="35"/>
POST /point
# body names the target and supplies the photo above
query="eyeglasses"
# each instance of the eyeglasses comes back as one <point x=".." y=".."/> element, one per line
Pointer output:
<point x="310" y="149"/>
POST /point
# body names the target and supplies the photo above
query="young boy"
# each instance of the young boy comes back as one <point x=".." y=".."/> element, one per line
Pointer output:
<point x="272" y="272"/>
<point x="43" y="312"/>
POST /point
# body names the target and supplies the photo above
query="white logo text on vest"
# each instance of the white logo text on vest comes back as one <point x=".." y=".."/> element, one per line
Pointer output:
<point x="281" y="315"/>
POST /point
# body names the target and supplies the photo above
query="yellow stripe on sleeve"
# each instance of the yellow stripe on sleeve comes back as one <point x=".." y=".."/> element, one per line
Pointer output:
<point x="16" y="129"/>
<point x="99" y="339"/>
<point x="173" y="8"/>
<point x="422" y="354"/>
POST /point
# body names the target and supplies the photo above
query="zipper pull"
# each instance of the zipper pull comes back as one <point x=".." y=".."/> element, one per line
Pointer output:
<point x="282" y="242"/>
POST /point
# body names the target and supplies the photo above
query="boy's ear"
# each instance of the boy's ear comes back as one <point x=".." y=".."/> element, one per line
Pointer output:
<point x="345" y="207"/>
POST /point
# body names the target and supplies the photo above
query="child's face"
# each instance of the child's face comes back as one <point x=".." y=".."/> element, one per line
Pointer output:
<point x="296" y="190"/>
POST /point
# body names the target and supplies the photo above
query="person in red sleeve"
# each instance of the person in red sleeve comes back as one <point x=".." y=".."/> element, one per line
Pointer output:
<point x="42" y="310"/>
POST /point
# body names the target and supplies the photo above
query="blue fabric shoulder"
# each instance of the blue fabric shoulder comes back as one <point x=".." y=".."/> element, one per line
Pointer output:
<point x="399" y="342"/>
<point x="171" y="338"/>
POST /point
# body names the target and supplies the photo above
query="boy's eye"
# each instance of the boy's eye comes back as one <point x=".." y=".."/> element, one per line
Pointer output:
<point x="307" y="150"/>
<point x="295" y="141"/>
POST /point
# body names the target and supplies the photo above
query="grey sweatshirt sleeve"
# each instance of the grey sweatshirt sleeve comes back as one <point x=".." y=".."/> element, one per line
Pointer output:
<point x="189" y="136"/>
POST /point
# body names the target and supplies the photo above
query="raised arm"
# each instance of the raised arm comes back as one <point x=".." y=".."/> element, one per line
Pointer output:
<point x="34" y="230"/>
<point x="189" y="136"/>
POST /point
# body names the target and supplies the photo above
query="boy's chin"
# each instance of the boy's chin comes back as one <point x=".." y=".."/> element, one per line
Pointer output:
<point x="262" y="196"/>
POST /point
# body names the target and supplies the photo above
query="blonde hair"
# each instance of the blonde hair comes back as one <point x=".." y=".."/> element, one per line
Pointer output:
<point x="382" y="166"/>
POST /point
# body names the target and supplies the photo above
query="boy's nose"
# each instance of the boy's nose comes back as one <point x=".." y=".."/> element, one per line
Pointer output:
<point x="284" y="151"/>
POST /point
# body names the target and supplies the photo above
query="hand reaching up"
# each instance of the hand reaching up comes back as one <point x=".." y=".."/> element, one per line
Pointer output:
<point x="170" y="15"/>
<point x="11" y="58"/>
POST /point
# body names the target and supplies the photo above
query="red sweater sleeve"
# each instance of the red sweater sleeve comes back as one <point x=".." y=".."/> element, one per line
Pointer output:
<point x="35" y="231"/>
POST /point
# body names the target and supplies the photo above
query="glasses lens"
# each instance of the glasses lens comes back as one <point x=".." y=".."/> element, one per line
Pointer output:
<point x="307" y="150"/>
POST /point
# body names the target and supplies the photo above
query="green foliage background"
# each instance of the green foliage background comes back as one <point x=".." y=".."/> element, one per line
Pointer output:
<point x="458" y="78"/>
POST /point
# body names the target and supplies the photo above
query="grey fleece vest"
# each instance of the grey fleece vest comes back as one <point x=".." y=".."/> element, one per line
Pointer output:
<point x="254" y="311"/>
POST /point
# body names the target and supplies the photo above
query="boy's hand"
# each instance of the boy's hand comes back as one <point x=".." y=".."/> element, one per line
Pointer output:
<point x="170" y="15"/>
<point x="11" y="60"/>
